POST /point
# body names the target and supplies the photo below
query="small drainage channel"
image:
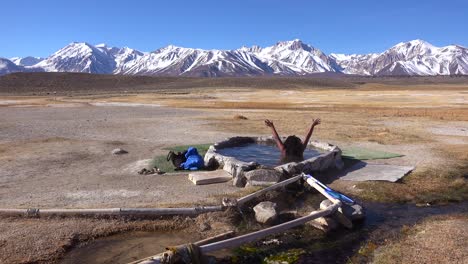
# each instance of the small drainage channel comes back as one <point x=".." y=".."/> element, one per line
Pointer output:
<point x="127" y="247"/>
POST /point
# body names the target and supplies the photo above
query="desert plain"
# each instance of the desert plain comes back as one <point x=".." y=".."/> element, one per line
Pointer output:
<point x="57" y="132"/>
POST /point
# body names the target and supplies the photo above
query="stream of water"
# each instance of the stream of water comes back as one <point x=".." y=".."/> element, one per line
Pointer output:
<point x="127" y="247"/>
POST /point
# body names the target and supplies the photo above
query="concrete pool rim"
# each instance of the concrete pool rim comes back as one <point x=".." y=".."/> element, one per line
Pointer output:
<point x="331" y="158"/>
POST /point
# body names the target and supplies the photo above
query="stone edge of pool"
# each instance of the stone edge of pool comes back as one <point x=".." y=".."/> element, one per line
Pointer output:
<point x="330" y="159"/>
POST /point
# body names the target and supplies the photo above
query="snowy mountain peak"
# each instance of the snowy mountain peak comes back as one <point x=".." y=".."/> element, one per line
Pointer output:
<point x="415" y="42"/>
<point x="341" y="56"/>
<point x="416" y="57"/>
<point x="26" y="61"/>
<point x="293" y="57"/>
<point x="79" y="57"/>
<point x="413" y="48"/>
<point x="253" y="49"/>
<point x="79" y="45"/>
<point x="7" y="66"/>
<point x="75" y="48"/>
<point x="170" y="48"/>
<point x="295" y="44"/>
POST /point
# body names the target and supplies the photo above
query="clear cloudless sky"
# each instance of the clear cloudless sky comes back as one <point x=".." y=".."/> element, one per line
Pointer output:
<point x="41" y="27"/>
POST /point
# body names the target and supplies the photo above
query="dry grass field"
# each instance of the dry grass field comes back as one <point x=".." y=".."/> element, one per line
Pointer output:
<point x="425" y="119"/>
<point x="428" y="124"/>
<point x="435" y="240"/>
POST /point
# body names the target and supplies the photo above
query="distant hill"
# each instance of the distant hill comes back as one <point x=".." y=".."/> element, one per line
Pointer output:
<point x="45" y="82"/>
<point x="39" y="82"/>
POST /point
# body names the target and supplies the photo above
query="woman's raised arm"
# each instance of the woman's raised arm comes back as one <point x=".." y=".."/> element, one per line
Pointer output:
<point x="278" y="141"/>
<point x="311" y="131"/>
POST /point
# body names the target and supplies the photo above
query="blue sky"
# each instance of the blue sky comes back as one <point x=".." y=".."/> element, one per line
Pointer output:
<point x="39" y="28"/>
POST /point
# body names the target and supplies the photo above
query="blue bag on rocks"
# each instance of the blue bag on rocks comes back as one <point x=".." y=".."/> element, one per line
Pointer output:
<point x="194" y="160"/>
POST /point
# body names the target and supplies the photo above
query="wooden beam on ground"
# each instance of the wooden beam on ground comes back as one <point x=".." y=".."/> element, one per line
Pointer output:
<point x="275" y="186"/>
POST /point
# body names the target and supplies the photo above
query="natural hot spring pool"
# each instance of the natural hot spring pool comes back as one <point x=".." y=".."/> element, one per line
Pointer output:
<point x="264" y="154"/>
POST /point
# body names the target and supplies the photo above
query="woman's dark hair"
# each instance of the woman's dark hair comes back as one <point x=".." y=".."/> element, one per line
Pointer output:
<point x="293" y="146"/>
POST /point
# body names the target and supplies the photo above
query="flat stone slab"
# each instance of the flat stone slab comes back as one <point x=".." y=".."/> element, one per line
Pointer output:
<point x="209" y="177"/>
<point x="363" y="171"/>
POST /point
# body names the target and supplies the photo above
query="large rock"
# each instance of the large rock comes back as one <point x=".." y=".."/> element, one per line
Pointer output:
<point x="323" y="162"/>
<point x="325" y="204"/>
<point x="237" y="169"/>
<point x="338" y="215"/>
<point x="353" y="212"/>
<point x="339" y="164"/>
<point x="311" y="165"/>
<point x="239" y="180"/>
<point x="291" y="168"/>
<point x="265" y="212"/>
<point x="262" y="177"/>
<point x="325" y="224"/>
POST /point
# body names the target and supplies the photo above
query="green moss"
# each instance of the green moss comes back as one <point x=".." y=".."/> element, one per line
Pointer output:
<point x="290" y="256"/>
<point x="250" y="253"/>
<point x="247" y="250"/>
<point x="166" y="166"/>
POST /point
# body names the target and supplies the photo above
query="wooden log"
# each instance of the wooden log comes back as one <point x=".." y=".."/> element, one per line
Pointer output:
<point x="158" y="258"/>
<point x="275" y="186"/>
<point x="321" y="190"/>
<point x="64" y="212"/>
<point x="171" y="211"/>
<point x="11" y="212"/>
<point x="215" y="238"/>
<point x="112" y="211"/>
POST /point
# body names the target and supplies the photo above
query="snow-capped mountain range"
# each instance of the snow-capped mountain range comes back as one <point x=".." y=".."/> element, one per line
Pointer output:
<point x="290" y="58"/>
